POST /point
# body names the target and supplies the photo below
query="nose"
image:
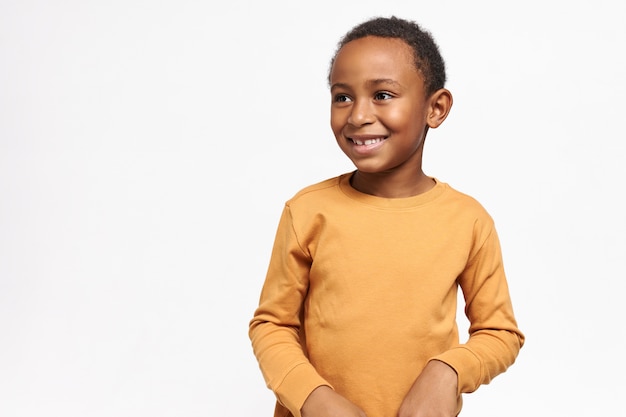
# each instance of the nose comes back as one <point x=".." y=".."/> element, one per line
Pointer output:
<point x="361" y="113"/>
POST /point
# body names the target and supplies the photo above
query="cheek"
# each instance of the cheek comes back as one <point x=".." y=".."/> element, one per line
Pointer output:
<point x="336" y="122"/>
<point x="399" y="118"/>
<point x="409" y="122"/>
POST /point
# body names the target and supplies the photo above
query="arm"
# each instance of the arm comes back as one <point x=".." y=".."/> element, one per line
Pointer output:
<point x="495" y="339"/>
<point x="493" y="344"/>
<point x="275" y="330"/>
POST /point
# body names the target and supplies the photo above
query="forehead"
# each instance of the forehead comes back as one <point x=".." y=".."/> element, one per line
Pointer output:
<point x="374" y="57"/>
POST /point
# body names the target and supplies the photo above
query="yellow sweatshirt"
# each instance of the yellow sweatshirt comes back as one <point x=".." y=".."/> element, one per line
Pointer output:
<point x="361" y="292"/>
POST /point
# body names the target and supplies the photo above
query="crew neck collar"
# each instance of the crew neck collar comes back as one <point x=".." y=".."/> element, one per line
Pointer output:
<point x="390" y="203"/>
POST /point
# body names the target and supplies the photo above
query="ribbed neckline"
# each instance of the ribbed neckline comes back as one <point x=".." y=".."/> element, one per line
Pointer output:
<point x="390" y="203"/>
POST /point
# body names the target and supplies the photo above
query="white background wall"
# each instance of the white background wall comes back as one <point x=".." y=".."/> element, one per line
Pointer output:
<point x="147" y="148"/>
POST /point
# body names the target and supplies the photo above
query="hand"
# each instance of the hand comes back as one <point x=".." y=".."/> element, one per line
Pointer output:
<point x="433" y="394"/>
<point x="325" y="402"/>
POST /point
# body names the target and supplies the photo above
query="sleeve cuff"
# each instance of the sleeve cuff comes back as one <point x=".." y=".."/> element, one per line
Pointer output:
<point x="298" y="384"/>
<point x="466" y="365"/>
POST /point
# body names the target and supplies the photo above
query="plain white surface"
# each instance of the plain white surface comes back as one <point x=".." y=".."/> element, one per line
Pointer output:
<point x="146" y="149"/>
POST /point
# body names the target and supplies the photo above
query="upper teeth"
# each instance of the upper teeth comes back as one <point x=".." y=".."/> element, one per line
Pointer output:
<point x="367" y="141"/>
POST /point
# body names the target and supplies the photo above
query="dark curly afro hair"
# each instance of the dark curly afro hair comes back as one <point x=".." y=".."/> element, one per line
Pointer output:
<point x="428" y="60"/>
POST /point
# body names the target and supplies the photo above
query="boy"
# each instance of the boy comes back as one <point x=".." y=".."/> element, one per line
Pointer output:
<point x="357" y="313"/>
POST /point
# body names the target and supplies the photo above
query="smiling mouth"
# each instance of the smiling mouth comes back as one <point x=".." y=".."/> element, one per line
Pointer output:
<point x="366" y="142"/>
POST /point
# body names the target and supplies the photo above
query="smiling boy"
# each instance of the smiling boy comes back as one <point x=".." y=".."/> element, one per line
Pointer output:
<point x="357" y="316"/>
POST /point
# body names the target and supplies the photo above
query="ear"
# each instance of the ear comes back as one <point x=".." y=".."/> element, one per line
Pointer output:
<point x="440" y="103"/>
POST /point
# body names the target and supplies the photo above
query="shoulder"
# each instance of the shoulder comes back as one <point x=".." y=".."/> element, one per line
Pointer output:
<point x="465" y="206"/>
<point x="460" y="197"/>
<point x="317" y="187"/>
<point x="318" y="193"/>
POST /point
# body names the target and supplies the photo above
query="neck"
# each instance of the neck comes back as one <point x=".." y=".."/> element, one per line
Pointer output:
<point x="388" y="185"/>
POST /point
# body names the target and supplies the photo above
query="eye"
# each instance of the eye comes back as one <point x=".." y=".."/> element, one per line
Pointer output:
<point x="382" y="95"/>
<point x="341" y="98"/>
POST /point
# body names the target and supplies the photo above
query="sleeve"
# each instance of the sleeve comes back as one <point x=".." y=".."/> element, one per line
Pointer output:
<point x="495" y="339"/>
<point x="275" y="330"/>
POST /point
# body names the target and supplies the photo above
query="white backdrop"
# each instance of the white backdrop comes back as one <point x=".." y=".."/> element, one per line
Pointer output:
<point x="147" y="148"/>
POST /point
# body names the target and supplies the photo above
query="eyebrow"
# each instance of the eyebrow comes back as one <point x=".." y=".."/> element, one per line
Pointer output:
<point x="369" y="83"/>
<point x="384" y="81"/>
